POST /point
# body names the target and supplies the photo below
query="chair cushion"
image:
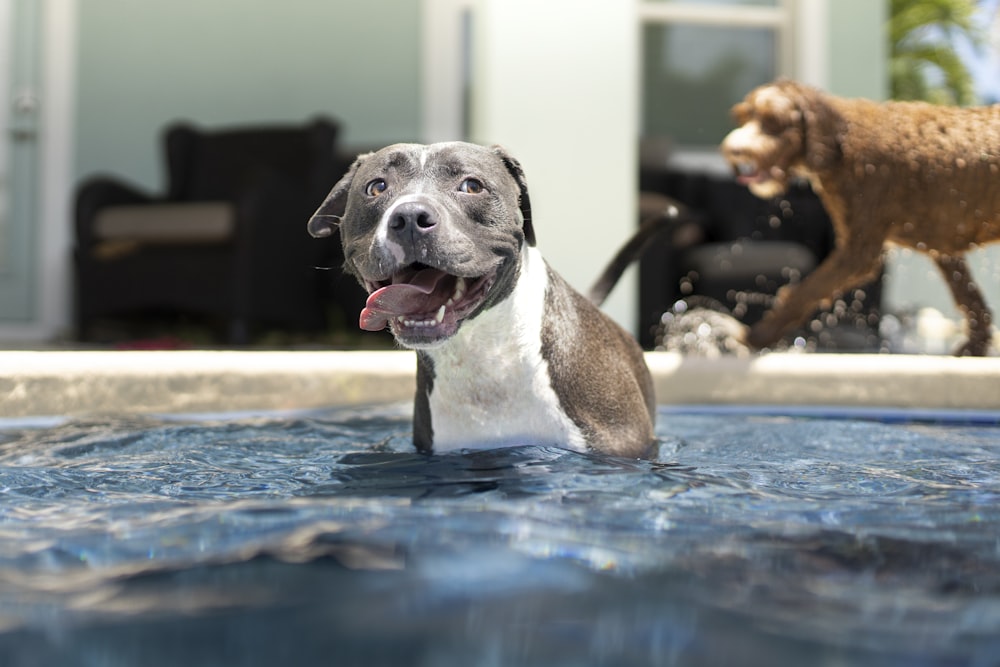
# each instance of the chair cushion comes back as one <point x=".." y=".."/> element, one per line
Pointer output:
<point x="745" y="260"/>
<point x="204" y="222"/>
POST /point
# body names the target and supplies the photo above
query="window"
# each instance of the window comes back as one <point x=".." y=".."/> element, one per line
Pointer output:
<point x="701" y="56"/>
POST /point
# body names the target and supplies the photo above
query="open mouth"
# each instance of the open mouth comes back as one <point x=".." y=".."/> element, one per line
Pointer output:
<point x="748" y="173"/>
<point x="422" y="303"/>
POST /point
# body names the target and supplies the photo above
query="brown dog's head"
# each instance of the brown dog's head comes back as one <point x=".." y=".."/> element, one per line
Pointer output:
<point x="770" y="143"/>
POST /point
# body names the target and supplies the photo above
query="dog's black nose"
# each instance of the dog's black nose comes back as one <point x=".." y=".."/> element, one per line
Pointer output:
<point x="412" y="218"/>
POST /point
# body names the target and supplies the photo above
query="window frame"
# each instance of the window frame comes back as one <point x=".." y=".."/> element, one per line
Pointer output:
<point x="803" y="47"/>
<point x="777" y="18"/>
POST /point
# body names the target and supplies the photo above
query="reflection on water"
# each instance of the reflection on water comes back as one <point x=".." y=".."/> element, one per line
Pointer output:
<point x="753" y="540"/>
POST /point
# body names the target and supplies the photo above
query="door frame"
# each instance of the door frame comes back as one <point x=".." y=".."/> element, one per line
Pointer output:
<point x="803" y="25"/>
<point x="53" y="260"/>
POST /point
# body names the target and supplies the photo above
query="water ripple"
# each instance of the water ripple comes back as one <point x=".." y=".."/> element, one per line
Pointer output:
<point x="881" y="531"/>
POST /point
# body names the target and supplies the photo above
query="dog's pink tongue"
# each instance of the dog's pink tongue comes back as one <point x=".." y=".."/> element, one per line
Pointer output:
<point x="410" y="298"/>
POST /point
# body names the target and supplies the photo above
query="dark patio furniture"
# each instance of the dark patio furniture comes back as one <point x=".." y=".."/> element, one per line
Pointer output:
<point x="227" y="242"/>
<point x="747" y="250"/>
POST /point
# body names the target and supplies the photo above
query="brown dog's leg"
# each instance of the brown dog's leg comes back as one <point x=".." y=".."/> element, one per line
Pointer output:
<point x="843" y="269"/>
<point x="970" y="301"/>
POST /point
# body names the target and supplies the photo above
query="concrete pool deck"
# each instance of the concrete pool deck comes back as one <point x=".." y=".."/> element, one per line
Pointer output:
<point x="79" y="383"/>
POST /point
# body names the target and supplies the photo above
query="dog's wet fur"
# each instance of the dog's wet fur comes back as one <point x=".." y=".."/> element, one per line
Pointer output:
<point x="912" y="174"/>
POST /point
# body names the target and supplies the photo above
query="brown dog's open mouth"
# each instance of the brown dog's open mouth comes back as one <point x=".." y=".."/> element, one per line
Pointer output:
<point x="423" y="301"/>
<point x="748" y="172"/>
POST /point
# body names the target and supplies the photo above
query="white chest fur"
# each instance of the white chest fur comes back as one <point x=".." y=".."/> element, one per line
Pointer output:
<point x="491" y="385"/>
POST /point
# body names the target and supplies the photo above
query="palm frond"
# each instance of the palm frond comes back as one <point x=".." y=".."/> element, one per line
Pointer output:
<point x="922" y="36"/>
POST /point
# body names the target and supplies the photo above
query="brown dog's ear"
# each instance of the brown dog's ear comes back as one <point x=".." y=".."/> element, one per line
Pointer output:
<point x="740" y="113"/>
<point x="523" y="202"/>
<point x="326" y="218"/>
<point x="823" y="125"/>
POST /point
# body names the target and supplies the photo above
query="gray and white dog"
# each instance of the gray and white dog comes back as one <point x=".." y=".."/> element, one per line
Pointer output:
<point x="508" y="353"/>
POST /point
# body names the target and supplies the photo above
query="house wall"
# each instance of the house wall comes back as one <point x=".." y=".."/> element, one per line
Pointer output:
<point x="139" y="66"/>
<point x="142" y="65"/>
<point x="858" y="52"/>
<point x="565" y="103"/>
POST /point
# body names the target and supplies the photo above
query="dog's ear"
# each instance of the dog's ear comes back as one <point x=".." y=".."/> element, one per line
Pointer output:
<point x="523" y="202"/>
<point x="326" y="218"/>
<point x="823" y="127"/>
<point x="739" y="113"/>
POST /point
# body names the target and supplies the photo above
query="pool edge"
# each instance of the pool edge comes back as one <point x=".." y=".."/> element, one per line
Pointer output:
<point x="36" y="383"/>
<point x="863" y="380"/>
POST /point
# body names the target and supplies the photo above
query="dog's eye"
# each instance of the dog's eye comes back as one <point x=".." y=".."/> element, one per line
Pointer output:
<point x="376" y="187"/>
<point x="471" y="186"/>
<point x="772" y="124"/>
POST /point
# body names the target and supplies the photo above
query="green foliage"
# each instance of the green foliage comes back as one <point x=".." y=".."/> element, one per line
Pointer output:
<point x="924" y="64"/>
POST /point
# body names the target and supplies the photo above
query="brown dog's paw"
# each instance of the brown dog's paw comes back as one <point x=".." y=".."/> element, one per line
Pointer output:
<point x="974" y="347"/>
<point x="762" y="335"/>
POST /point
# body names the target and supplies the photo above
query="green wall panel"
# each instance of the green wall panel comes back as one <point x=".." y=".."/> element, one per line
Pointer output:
<point x="222" y="62"/>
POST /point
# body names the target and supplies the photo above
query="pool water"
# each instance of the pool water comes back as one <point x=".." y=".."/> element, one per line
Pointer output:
<point x="756" y="538"/>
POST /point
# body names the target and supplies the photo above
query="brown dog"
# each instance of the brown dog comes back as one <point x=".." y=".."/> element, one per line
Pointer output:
<point x="914" y="174"/>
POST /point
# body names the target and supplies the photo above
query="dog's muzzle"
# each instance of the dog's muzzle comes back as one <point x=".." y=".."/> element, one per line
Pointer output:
<point x="421" y="303"/>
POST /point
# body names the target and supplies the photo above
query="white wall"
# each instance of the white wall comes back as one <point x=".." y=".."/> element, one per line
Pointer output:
<point x="858" y="51"/>
<point x="556" y="83"/>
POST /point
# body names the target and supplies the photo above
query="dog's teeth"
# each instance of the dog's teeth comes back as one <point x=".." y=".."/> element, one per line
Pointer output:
<point x="459" y="292"/>
<point x="420" y="324"/>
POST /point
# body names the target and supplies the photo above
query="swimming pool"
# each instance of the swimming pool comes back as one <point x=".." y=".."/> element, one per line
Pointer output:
<point x="757" y="537"/>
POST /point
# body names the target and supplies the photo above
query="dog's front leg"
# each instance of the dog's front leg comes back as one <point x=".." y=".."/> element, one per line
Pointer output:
<point x="846" y="267"/>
